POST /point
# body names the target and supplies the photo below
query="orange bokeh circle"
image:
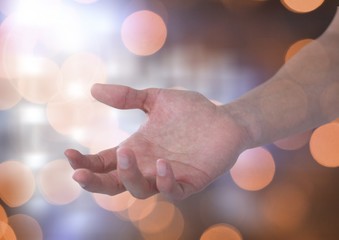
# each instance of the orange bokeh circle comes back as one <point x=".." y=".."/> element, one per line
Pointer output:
<point x="144" y="32"/>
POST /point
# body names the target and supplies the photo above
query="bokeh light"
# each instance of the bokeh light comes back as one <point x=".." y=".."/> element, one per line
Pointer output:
<point x="141" y="208"/>
<point x="294" y="142"/>
<point x="33" y="12"/>
<point x="9" y="95"/>
<point x="173" y="231"/>
<point x="56" y="184"/>
<point x="6" y="232"/>
<point x="39" y="79"/>
<point x="16" y="40"/>
<point x="55" y="26"/>
<point x="295" y="48"/>
<point x="102" y="130"/>
<point x="159" y="218"/>
<point x="25" y="227"/>
<point x="86" y="1"/>
<point x="254" y="169"/>
<point x="285" y="207"/>
<point x="324" y="145"/>
<point x="17" y="183"/>
<point x="8" y="7"/>
<point x="65" y="116"/>
<point x="210" y="50"/>
<point x="117" y="203"/>
<point x="91" y="123"/>
<point x="103" y="137"/>
<point x="63" y="30"/>
<point x="32" y="114"/>
<point x="221" y="231"/>
<point x="80" y="71"/>
<point x="144" y="33"/>
<point x="302" y="6"/>
<point x="35" y="160"/>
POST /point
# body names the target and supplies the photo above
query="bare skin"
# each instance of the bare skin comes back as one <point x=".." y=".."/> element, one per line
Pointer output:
<point x="187" y="141"/>
<point x="178" y="151"/>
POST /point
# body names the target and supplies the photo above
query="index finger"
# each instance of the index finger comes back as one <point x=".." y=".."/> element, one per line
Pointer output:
<point x="102" y="162"/>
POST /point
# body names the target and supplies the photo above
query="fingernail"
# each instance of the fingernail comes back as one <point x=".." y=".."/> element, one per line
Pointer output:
<point x="161" y="168"/>
<point x="78" y="179"/>
<point x="124" y="162"/>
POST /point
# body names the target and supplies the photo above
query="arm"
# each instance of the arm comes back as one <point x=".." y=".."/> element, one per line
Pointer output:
<point x="302" y="95"/>
<point x="187" y="141"/>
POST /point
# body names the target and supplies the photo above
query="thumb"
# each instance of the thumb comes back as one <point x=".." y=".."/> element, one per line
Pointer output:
<point x="123" y="97"/>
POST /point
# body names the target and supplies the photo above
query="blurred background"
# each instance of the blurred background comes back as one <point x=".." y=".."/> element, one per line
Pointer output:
<point x="52" y="51"/>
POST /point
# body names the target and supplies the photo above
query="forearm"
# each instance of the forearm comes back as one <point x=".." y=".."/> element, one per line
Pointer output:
<point x="302" y="95"/>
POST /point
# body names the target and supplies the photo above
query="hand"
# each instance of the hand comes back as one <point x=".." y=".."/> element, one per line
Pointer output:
<point x="185" y="144"/>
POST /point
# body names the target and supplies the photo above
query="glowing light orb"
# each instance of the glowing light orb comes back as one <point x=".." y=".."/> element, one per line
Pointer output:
<point x="102" y="131"/>
<point x="324" y="145"/>
<point x="115" y="203"/>
<point x="56" y="183"/>
<point x="144" y="33"/>
<point x="67" y="115"/>
<point x="63" y="31"/>
<point x="16" y="40"/>
<point x="302" y="6"/>
<point x="296" y="47"/>
<point x="159" y="218"/>
<point x="285" y="207"/>
<point x="221" y="231"/>
<point x="17" y="183"/>
<point x="254" y="169"/>
<point x="6" y="232"/>
<point x="80" y="71"/>
<point x="141" y="208"/>
<point x="25" y="227"/>
<point x="9" y="95"/>
<point x="172" y="231"/>
<point x="39" y="79"/>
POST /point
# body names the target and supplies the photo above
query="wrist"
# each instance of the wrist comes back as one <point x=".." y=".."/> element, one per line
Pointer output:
<point x="244" y="121"/>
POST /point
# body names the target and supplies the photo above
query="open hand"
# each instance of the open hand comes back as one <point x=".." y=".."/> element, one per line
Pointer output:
<point x="185" y="144"/>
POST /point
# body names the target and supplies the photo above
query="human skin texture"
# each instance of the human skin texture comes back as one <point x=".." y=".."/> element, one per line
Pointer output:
<point x="187" y="141"/>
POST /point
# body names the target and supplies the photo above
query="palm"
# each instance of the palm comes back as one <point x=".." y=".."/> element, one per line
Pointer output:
<point x="186" y="130"/>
